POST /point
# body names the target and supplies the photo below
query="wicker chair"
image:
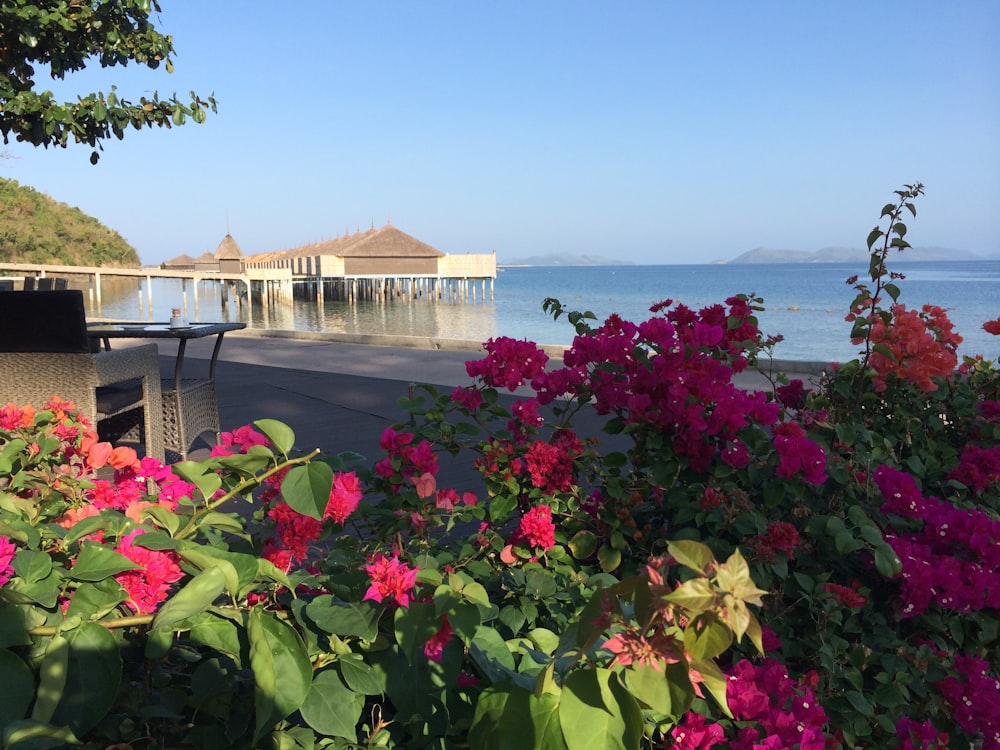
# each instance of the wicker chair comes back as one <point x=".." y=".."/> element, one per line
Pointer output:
<point x="45" y="351"/>
<point x="190" y="409"/>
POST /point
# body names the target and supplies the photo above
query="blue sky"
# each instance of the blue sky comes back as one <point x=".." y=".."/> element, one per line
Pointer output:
<point x="654" y="132"/>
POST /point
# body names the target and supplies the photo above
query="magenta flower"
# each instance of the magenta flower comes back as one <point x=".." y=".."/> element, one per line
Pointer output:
<point x="694" y="734"/>
<point x="798" y="454"/>
<point x="344" y="497"/>
<point x="509" y="363"/>
<point x="7" y="552"/>
<point x="391" y="579"/>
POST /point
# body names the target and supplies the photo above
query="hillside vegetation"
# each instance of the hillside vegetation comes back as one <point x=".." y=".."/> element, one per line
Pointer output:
<point x="36" y="229"/>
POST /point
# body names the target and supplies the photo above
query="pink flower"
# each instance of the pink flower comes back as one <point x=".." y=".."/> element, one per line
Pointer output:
<point x="391" y="579"/>
<point x="12" y="417"/>
<point x="425" y="484"/>
<point x="632" y="647"/>
<point x="344" y="497"/>
<point x="7" y="552"/>
<point x="149" y="584"/>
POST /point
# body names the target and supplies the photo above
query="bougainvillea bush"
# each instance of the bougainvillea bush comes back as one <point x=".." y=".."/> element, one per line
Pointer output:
<point x="638" y="554"/>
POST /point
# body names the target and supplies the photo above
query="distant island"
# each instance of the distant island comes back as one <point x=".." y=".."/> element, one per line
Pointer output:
<point x="849" y="254"/>
<point x="564" y="259"/>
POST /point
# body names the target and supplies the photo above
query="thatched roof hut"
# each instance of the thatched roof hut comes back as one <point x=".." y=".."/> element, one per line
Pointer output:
<point x="183" y="262"/>
<point x="375" y="251"/>
<point x="229" y="256"/>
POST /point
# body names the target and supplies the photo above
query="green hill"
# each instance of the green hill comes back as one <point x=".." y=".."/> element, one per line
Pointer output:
<point x="36" y="229"/>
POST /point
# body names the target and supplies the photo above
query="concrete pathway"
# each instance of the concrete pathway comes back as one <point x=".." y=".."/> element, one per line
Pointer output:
<point x="338" y="395"/>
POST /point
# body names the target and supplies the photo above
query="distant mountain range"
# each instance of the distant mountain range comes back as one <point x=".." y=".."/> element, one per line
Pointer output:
<point x="849" y="254"/>
<point x="565" y="259"/>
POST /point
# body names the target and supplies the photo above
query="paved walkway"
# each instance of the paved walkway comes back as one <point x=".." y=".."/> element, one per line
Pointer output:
<point x="335" y="395"/>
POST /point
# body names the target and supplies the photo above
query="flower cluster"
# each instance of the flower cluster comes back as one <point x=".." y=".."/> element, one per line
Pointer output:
<point x="155" y="572"/>
<point x="390" y="580"/>
<point x="671" y="373"/>
<point x="951" y="558"/>
<point x="773" y="710"/>
<point x="509" y="363"/>
<point x="780" y="538"/>
<point x="785" y="712"/>
<point x="917" y="346"/>
<point x="404" y="461"/>
<point x="799" y="454"/>
<point x="972" y="695"/>
<point x="913" y="735"/>
<point x="978" y="468"/>
<point x="536" y="528"/>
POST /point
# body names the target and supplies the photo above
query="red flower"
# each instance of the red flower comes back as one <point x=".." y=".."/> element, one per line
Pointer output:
<point x="148" y="584"/>
<point x="992" y="326"/>
<point x="845" y="595"/>
<point x="536" y="528"/>
<point x="780" y="537"/>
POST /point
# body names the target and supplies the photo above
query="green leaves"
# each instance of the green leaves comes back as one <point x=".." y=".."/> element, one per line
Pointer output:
<point x="597" y="712"/>
<point x="307" y="488"/>
<point x="512" y="718"/>
<point x="331" y="708"/>
<point x="96" y="562"/>
<point x="193" y="598"/>
<point x="16" y="688"/>
<point x="281" y="669"/>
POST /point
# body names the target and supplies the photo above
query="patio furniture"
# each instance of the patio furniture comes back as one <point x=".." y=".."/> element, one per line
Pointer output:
<point x="45" y="351"/>
<point x="45" y="283"/>
<point x="190" y="404"/>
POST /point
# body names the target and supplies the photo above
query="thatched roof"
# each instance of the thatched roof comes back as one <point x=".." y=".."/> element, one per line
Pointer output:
<point x="387" y="242"/>
<point x="228" y="249"/>
<point x="181" y="260"/>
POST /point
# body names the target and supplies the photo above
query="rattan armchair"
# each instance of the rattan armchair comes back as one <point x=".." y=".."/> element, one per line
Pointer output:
<point x="45" y="351"/>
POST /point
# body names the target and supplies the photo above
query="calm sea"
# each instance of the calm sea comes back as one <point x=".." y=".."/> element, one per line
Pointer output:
<point x="805" y="303"/>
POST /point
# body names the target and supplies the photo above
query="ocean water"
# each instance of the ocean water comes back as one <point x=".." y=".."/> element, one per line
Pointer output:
<point x="805" y="303"/>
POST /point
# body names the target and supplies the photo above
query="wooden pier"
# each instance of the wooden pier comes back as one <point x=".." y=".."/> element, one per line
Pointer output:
<point x="269" y="286"/>
<point x="239" y="287"/>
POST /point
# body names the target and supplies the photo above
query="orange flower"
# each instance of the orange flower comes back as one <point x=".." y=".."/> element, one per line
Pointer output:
<point x="921" y="345"/>
<point x="425" y="484"/>
<point x="73" y="516"/>
<point x="123" y="457"/>
<point x="97" y="454"/>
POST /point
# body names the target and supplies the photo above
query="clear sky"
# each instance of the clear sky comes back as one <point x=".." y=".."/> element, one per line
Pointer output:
<point x="655" y="132"/>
